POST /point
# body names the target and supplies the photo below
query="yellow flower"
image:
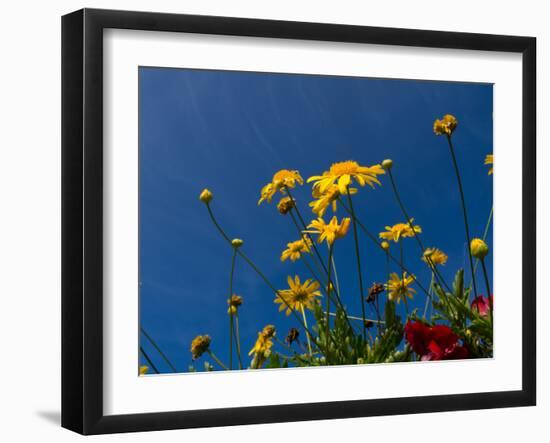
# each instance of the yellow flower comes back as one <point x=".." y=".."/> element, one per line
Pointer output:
<point x="281" y="179"/>
<point x="234" y="302"/>
<point x="200" y="345"/>
<point x="285" y="205"/>
<point x="478" y="248"/>
<point x="143" y="370"/>
<point x="296" y="248"/>
<point x="398" y="288"/>
<point x="400" y="230"/>
<point x="324" y="200"/>
<point x="262" y="348"/>
<point x="299" y="296"/>
<point x="434" y="256"/>
<point x="331" y="231"/>
<point x="489" y="161"/>
<point x="446" y="125"/>
<point x="205" y="196"/>
<point x="342" y="174"/>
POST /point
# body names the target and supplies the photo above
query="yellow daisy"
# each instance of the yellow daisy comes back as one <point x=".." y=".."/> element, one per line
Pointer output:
<point x="400" y="230"/>
<point x="299" y="296"/>
<point x="342" y="173"/>
<point x="281" y="179"/>
<point x="296" y="248"/>
<point x="435" y="256"/>
<point x="329" y="231"/>
<point x="398" y="288"/>
<point x="326" y="199"/>
<point x="489" y="161"/>
<point x="446" y="125"/>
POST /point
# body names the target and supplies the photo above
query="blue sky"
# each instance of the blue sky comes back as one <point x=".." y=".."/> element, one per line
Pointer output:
<point x="230" y="131"/>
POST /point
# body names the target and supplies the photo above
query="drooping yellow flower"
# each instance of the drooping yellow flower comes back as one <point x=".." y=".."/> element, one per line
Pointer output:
<point x="200" y="345"/>
<point x="234" y="302"/>
<point x="143" y="369"/>
<point x="285" y="205"/>
<point x="446" y="125"/>
<point x="398" y="288"/>
<point x="329" y="231"/>
<point x="262" y="348"/>
<point x="299" y="296"/>
<point x="296" y="248"/>
<point x="400" y="230"/>
<point x="326" y="199"/>
<point x="489" y="161"/>
<point x="342" y="174"/>
<point x="281" y="179"/>
<point x="434" y="256"/>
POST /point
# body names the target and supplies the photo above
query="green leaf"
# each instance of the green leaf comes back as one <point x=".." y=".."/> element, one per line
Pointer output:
<point x="274" y="361"/>
<point x="458" y="284"/>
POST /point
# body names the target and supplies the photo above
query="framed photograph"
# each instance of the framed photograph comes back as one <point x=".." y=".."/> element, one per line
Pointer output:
<point x="269" y="221"/>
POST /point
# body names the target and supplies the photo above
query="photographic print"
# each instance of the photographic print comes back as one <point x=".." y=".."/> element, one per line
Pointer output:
<point x="291" y="221"/>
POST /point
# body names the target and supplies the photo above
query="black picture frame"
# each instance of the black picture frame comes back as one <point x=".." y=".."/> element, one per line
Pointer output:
<point x="82" y="220"/>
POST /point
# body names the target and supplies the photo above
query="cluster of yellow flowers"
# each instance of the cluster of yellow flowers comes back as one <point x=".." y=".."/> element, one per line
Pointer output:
<point x="328" y="191"/>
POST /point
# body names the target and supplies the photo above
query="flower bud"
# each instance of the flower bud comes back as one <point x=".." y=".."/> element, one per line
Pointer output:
<point x="385" y="245"/>
<point x="478" y="248"/>
<point x="387" y="164"/>
<point x="206" y="196"/>
<point x="237" y="243"/>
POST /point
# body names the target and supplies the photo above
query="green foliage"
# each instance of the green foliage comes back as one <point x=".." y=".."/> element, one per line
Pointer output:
<point x="475" y="330"/>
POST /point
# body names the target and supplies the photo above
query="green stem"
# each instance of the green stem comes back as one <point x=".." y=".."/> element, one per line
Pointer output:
<point x="358" y="256"/>
<point x="308" y="237"/>
<point x="409" y="222"/>
<point x="233" y="256"/>
<point x="352" y="317"/>
<point x="464" y="212"/>
<point x="329" y="285"/>
<point x="428" y="299"/>
<point x="149" y="362"/>
<point x="172" y="367"/>
<point x="338" y="301"/>
<point x="295" y="354"/>
<point x="374" y="239"/>
<point x="259" y="272"/>
<point x="305" y="228"/>
<point x="238" y="339"/>
<point x="211" y="354"/>
<point x="307" y="334"/>
<point x="335" y="276"/>
<point x="485" y="232"/>
<point x="406" y="305"/>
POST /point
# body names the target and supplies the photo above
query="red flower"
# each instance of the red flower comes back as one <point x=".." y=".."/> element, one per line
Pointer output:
<point x="481" y="304"/>
<point x="437" y="342"/>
